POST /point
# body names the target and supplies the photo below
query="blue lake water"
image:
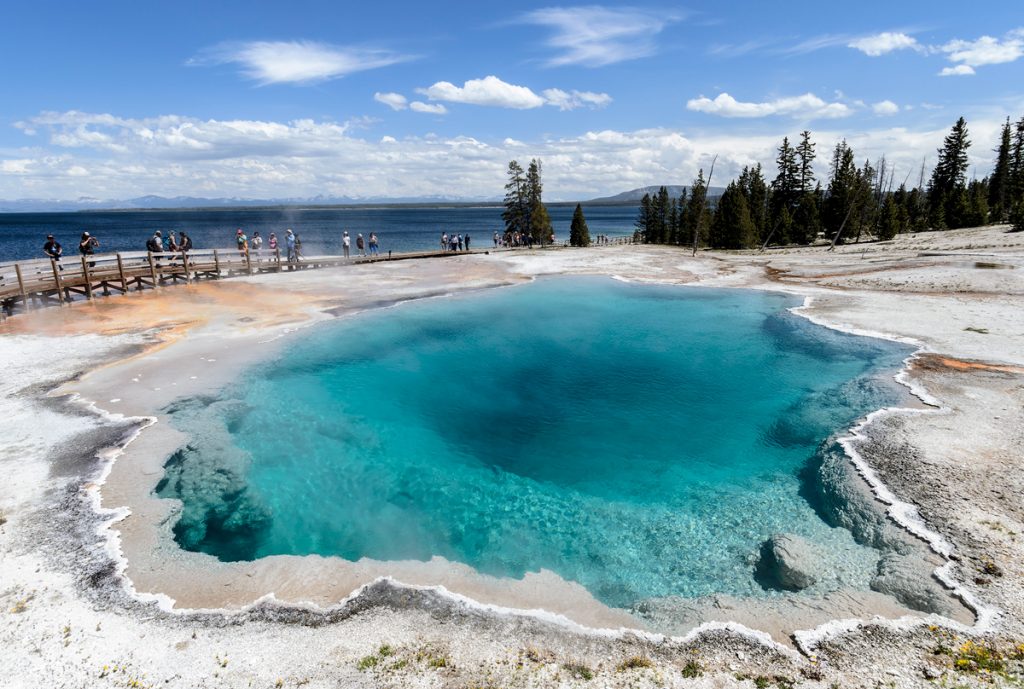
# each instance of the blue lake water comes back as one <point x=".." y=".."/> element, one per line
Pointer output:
<point x="22" y="235"/>
<point x="640" y="440"/>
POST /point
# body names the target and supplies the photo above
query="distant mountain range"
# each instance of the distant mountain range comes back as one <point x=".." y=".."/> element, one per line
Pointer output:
<point x="635" y="195"/>
<point x="86" y="203"/>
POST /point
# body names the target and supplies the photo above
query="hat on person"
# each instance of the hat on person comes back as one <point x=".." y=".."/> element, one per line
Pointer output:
<point x="49" y="236"/>
<point x="346" y="231"/>
<point x="158" y="233"/>
<point x="289" y="230"/>
<point x="85" y="234"/>
<point x="239" y="231"/>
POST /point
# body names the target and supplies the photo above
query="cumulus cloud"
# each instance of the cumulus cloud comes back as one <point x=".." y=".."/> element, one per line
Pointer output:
<point x="297" y="62"/>
<point x="395" y="101"/>
<point x="596" y="36"/>
<point x="429" y="108"/>
<point x="958" y="71"/>
<point x="885" y="107"/>
<point x="490" y="91"/>
<point x="571" y="100"/>
<point x="882" y="43"/>
<point x="806" y="106"/>
<point x="180" y="155"/>
<point x="986" y="50"/>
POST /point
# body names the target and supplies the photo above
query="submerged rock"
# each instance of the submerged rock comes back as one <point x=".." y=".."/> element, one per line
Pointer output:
<point x="789" y="562"/>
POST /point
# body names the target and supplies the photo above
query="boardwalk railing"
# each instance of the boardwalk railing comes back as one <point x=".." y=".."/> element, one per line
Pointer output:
<point x="25" y="285"/>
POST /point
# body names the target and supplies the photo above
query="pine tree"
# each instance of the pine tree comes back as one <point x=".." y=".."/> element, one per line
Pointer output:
<point x="538" y="220"/>
<point x="697" y="210"/>
<point x="889" y="221"/>
<point x="516" y="208"/>
<point x="805" y="164"/>
<point x="806" y="219"/>
<point x="664" y="208"/>
<point x="755" y="189"/>
<point x="785" y="187"/>
<point x="999" y="181"/>
<point x="579" y="233"/>
<point x="732" y="227"/>
<point x="643" y="221"/>
<point x="841" y="198"/>
<point x="947" y="199"/>
<point x="1015" y="187"/>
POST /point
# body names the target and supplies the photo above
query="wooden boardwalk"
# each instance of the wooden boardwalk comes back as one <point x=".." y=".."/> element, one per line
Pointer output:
<point x="32" y="284"/>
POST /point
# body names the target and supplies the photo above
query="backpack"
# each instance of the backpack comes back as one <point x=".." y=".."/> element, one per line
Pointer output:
<point x="152" y="244"/>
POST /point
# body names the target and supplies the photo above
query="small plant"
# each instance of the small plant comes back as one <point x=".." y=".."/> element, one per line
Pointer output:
<point x="579" y="670"/>
<point x="991" y="568"/>
<point x="279" y="683"/>
<point x="384" y="651"/>
<point x="438" y="662"/>
<point x="762" y="682"/>
<point x="635" y="663"/>
<point x="367" y="662"/>
<point x="400" y="664"/>
<point x="972" y="657"/>
<point x="692" y="669"/>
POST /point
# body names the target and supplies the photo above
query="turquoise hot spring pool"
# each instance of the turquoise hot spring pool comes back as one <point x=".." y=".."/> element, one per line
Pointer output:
<point x="640" y="440"/>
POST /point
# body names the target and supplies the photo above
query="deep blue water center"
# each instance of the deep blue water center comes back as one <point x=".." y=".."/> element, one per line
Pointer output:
<point x="640" y="440"/>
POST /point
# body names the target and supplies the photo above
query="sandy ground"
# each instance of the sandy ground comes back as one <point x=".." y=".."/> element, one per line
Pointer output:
<point x="93" y="593"/>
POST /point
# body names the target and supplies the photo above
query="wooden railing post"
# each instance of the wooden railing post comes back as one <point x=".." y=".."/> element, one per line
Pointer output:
<point x="216" y="263"/>
<point x="88" y="278"/>
<point x="152" y="268"/>
<point x="184" y="262"/>
<point x="248" y="261"/>
<point x="120" y="272"/>
<point x="277" y="255"/>
<point x="21" y="288"/>
<point x="56" y="281"/>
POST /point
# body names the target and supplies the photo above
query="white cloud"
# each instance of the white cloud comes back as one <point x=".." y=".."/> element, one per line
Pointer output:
<point x="986" y="50"/>
<point x="882" y="43"/>
<point x="595" y="36"/>
<point x="885" y="107"/>
<point x="570" y="100"/>
<point x="430" y="108"/>
<point x="395" y="101"/>
<point x="297" y="62"/>
<point x="958" y="71"/>
<point x="490" y="91"/>
<point x="806" y="106"/>
<point x="180" y="155"/>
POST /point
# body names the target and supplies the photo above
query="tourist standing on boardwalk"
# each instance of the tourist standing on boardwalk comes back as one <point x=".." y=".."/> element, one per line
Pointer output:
<point x="359" y="245"/>
<point x="346" y="243"/>
<point x="272" y="242"/>
<point x="289" y="243"/>
<point x="458" y="242"/>
<point x="52" y="248"/>
<point x="88" y="246"/>
<point x="256" y="244"/>
<point x="495" y="239"/>
<point x="172" y="242"/>
<point x="467" y="241"/>
<point x="155" y="244"/>
<point x="298" y="248"/>
<point x="242" y="242"/>
<point x="185" y="243"/>
<point x="373" y="244"/>
<point x="444" y="241"/>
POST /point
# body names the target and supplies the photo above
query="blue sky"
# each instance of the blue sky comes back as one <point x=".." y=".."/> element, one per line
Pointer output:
<point x="110" y="100"/>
